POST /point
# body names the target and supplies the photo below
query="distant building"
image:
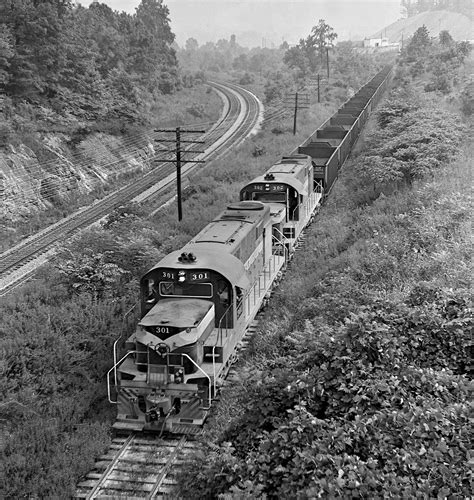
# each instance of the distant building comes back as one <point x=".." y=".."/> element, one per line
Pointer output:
<point x="381" y="44"/>
<point x="376" y="42"/>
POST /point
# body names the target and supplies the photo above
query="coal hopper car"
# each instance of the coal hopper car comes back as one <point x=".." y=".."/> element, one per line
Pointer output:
<point x="330" y="145"/>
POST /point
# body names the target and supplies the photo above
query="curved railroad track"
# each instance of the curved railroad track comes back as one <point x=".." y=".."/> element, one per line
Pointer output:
<point x="242" y="113"/>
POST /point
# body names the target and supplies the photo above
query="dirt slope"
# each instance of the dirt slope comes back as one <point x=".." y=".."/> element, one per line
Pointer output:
<point x="459" y="26"/>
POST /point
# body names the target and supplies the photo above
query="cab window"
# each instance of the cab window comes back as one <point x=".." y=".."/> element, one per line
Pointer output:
<point x="172" y="289"/>
<point x="150" y="291"/>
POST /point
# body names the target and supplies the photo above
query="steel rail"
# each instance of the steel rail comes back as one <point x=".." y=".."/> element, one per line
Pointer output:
<point x="137" y="468"/>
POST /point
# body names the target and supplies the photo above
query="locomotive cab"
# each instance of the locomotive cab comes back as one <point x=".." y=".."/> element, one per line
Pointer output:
<point x="289" y="189"/>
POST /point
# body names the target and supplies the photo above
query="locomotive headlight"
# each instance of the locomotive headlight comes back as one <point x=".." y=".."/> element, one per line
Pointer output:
<point x="181" y="276"/>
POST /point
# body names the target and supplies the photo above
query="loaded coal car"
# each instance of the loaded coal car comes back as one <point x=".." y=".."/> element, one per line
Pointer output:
<point x="293" y="195"/>
<point x="196" y="304"/>
<point x="331" y="144"/>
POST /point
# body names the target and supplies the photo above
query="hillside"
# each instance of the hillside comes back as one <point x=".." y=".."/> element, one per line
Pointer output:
<point x="459" y="26"/>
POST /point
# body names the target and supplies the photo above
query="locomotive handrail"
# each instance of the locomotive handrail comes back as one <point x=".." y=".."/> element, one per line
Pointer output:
<point x="282" y="243"/>
<point x="114" y="368"/>
<point x="306" y="208"/>
<point x="118" y="339"/>
<point x="299" y="223"/>
<point x="214" y="366"/>
<point x="219" y="328"/>
<point x="203" y="372"/>
<point x="318" y="187"/>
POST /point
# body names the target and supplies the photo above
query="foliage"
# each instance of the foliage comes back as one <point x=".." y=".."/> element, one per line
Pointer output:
<point x="420" y="41"/>
<point x="310" y="53"/>
<point x="228" y="55"/>
<point x="439" y="59"/>
<point x="93" y="274"/>
<point x="358" y="383"/>
<point x="93" y="63"/>
<point x="467" y="99"/>
<point x="246" y="79"/>
<point x="414" y="7"/>
<point x="416" y="139"/>
<point x="53" y="360"/>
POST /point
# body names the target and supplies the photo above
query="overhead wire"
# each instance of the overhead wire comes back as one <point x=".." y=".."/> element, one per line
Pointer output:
<point x="128" y="147"/>
<point x="135" y="141"/>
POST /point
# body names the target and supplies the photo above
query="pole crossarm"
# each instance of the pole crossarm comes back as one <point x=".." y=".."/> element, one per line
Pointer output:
<point x="182" y="161"/>
<point x="182" y="142"/>
<point x="179" y="161"/>
<point x="168" y="130"/>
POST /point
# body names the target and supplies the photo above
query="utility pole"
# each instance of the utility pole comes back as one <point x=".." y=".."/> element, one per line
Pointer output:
<point x="178" y="131"/>
<point x="303" y="104"/>
<point x="318" y="83"/>
<point x="296" y="112"/>
<point x="327" y="60"/>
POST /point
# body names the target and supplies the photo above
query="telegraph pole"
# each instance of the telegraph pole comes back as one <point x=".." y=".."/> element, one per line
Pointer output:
<point x="327" y="60"/>
<point x="317" y="82"/>
<point x="304" y="104"/>
<point x="296" y="111"/>
<point x="179" y="161"/>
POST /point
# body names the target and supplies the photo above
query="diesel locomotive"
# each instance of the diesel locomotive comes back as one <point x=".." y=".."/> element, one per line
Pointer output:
<point x="197" y="303"/>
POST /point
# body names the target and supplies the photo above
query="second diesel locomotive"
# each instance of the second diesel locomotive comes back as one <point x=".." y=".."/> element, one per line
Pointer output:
<point x="197" y="302"/>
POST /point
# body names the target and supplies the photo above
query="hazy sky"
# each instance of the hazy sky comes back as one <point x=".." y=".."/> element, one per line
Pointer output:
<point x="257" y="22"/>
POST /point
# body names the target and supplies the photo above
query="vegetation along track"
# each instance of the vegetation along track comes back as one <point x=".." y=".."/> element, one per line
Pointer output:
<point x="241" y="116"/>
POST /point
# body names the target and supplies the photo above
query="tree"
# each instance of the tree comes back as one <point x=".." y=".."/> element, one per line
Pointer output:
<point x="420" y="42"/>
<point x="305" y="55"/>
<point x="322" y="36"/>
<point x="6" y="53"/>
<point x="295" y="57"/>
<point x="241" y="62"/>
<point x="192" y="44"/>
<point x="36" y="28"/>
<point x="110" y="32"/>
<point x="151" y="53"/>
<point x="445" y="38"/>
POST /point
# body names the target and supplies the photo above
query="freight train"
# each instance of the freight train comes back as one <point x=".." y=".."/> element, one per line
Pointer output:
<point x="197" y="302"/>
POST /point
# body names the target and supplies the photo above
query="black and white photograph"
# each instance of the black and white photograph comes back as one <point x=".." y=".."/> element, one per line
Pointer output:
<point x="236" y="249"/>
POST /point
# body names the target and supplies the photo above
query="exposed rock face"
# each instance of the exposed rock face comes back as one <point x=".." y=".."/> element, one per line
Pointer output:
<point x="29" y="185"/>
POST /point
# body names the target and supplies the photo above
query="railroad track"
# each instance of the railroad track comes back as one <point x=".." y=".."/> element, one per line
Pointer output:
<point x="275" y="114"/>
<point x="242" y="114"/>
<point x="137" y="466"/>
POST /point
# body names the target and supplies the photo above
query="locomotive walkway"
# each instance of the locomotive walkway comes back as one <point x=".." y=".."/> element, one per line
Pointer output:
<point x="241" y="116"/>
